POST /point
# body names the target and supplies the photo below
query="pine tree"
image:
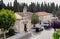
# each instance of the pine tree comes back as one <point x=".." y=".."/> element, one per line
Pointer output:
<point x="22" y="6"/>
<point x="15" y="6"/>
<point x="59" y="8"/>
<point x="38" y="7"/>
<point x="45" y="7"/>
<point x="2" y="5"/>
<point x="32" y="7"/>
<point x="48" y="8"/>
<point x="56" y="7"/>
<point x="52" y="7"/>
<point x="54" y="12"/>
<point x="42" y="7"/>
<point x="7" y="6"/>
<point x="11" y="8"/>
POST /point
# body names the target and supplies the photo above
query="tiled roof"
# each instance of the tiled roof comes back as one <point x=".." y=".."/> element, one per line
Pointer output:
<point x="42" y="13"/>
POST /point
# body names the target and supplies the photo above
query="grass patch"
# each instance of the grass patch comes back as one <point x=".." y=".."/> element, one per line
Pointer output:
<point x="57" y="35"/>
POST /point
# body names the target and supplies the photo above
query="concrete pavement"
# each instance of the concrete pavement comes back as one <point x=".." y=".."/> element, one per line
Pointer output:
<point x="45" y="34"/>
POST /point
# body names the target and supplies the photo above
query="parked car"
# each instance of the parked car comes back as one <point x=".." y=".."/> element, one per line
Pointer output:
<point x="38" y="29"/>
<point x="46" y="25"/>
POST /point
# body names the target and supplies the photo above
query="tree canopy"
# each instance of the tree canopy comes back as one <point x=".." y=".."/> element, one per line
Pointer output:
<point x="33" y="7"/>
<point x="7" y="19"/>
<point x="58" y="14"/>
<point x="34" y="19"/>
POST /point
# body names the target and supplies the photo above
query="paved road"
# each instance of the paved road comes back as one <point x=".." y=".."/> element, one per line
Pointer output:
<point x="45" y="34"/>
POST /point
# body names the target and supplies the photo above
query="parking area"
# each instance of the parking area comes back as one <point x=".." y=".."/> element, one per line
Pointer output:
<point x="45" y="34"/>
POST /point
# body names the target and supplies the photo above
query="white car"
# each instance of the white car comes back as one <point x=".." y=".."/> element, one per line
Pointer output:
<point x="46" y="25"/>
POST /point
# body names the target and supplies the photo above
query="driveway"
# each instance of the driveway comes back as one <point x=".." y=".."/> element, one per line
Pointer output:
<point x="45" y="34"/>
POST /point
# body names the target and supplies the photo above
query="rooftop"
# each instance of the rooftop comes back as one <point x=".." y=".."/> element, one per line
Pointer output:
<point x="42" y="13"/>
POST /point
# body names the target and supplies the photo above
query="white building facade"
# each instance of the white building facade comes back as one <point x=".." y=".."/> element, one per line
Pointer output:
<point x="26" y="19"/>
<point x="44" y="16"/>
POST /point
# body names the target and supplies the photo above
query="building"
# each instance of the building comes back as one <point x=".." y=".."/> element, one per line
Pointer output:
<point x="17" y="23"/>
<point x="44" y="16"/>
<point x="26" y="19"/>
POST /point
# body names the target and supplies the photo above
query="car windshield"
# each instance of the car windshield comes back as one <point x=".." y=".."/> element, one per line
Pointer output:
<point x="46" y="23"/>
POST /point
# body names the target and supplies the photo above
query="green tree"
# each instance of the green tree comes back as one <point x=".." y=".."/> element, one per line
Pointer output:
<point x="11" y="7"/>
<point x="7" y="20"/>
<point x="45" y="7"/>
<point x="52" y="7"/>
<point x="48" y="8"/>
<point x="38" y="7"/>
<point x="21" y="6"/>
<point x="42" y="7"/>
<point x="32" y="7"/>
<point x="58" y="14"/>
<point x="34" y="20"/>
<point x="54" y="12"/>
<point x="59" y="8"/>
<point x="16" y="6"/>
<point x="2" y="5"/>
<point x="7" y="7"/>
<point x="56" y="7"/>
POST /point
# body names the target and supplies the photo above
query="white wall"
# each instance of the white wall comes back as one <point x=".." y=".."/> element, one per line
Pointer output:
<point x="17" y="26"/>
<point x="45" y="18"/>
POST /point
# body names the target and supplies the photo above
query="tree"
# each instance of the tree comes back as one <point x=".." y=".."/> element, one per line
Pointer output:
<point x="45" y="7"/>
<point x="16" y="6"/>
<point x="2" y="5"/>
<point x="59" y="8"/>
<point x="55" y="25"/>
<point x="48" y="8"/>
<point x="7" y="6"/>
<point x="58" y="14"/>
<point x="52" y="7"/>
<point x="34" y="20"/>
<point x="54" y="12"/>
<point x="21" y="6"/>
<point x="7" y="20"/>
<point x="42" y="7"/>
<point x="11" y="7"/>
<point x="38" y="7"/>
<point x="56" y="7"/>
<point x="32" y="7"/>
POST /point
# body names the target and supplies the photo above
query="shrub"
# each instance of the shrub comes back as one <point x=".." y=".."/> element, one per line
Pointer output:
<point x="1" y="36"/>
<point x="56" y="35"/>
<point x="11" y="32"/>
